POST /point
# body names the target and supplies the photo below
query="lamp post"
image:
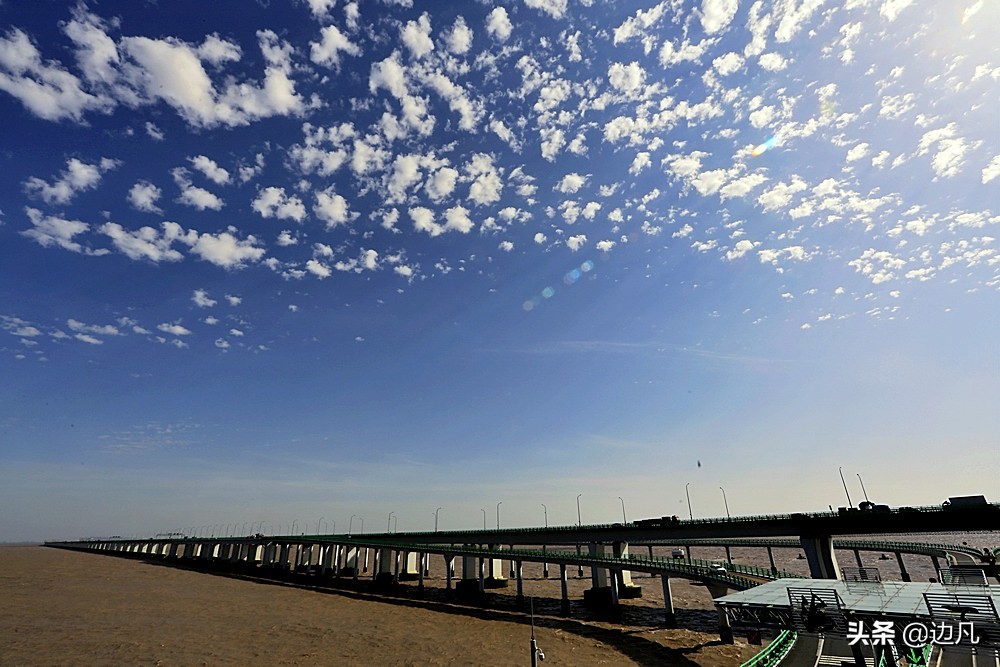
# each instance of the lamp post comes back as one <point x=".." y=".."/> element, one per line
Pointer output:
<point x="484" y="517"/>
<point x="395" y="523"/>
<point x="546" y="510"/>
<point x="579" y="523"/>
<point x="624" y="520"/>
<point x="863" y="488"/>
<point x="725" y="501"/>
<point x="362" y="520"/>
<point x="688" y="494"/>
<point x="498" y="514"/>
<point x="436" y="519"/>
<point x="318" y="522"/>
<point x="350" y="526"/>
<point x="388" y="522"/>
<point x="848" y="493"/>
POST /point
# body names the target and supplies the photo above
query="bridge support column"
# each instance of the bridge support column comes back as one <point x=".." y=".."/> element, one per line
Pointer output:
<point x="420" y="579"/>
<point x="472" y="576"/>
<point x="718" y="590"/>
<point x="668" y="601"/>
<point x="496" y="578"/>
<point x="449" y="569"/>
<point x="520" y="582"/>
<point x="729" y="555"/>
<point x="820" y="556"/>
<point x="565" y="589"/>
<point x="545" y="565"/>
<point x="857" y="557"/>
<point x="937" y="567"/>
<point x="411" y="563"/>
<point x="770" y="557"/>
<point x="903" y="574"/>
<point x="626" y="589"/>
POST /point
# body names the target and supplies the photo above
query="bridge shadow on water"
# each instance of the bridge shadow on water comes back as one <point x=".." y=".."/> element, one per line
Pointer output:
<point x="584" y="622"/>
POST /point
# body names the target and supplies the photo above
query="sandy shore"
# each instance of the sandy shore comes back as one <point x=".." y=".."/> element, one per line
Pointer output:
<point x="68" y="608"/>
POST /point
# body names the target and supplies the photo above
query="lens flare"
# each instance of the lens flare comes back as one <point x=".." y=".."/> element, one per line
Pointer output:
<point x="764" y="147"/>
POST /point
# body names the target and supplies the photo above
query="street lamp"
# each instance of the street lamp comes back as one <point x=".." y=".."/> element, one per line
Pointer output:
<point x="863" y="488"/>
<point x="395" y="523"/>
<point x="350" y="526"/>
<point x="388" y="522"/>
<point x="318" y="522"/>
<point x="484" y="517"/>
<point x="579" y="520"/>
<point x="849" y="503"/>
<point x="688" y="494"/>
<point x="725" y="501"/>
<point x="546" y="510"/>
<point x="362" y="520"/>
<point x="624" y="520"/>
<point x="498" y="514"/>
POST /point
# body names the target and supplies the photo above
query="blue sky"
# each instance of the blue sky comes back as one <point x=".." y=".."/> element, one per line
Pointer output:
<point x="303" y="259"/>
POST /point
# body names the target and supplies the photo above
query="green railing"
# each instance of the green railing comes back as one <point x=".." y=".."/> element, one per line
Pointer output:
<point x="774" y="652"/>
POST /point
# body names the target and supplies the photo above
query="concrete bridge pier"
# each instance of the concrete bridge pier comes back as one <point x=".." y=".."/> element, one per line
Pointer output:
<point x="857" y="557"/>
<point x="283" y="556"/>
<point x="545" y="565"/>
<point x="729" y="555"/>
<point x="449" y="570"/>
<point x="520" y="582"/>
<point x="496" y="578"/>
<point x="172" y="550"/>
<point x="626" y="589"/>
<point x="423" y="569"/>
<point x="565" y="589"/>
<point x="471" y="582"/>
<point x="412" y="565"/>
<point x="820" y="556"/>
<point x="718" y="590"/>
<point x="668" y="602"/>
<point x="937" y="567"/>
<point x="903" y="574"/>
<point x="770" y="558"/>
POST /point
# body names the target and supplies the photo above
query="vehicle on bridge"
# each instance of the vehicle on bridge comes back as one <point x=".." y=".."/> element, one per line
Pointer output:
<point x="965" y="501"/>
<point x="661" y="522"/>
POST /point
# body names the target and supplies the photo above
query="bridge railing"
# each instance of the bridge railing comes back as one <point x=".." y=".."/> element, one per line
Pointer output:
<point x="774" y="652"/>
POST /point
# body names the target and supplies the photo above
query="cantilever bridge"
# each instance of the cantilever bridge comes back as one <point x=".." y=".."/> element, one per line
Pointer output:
<point x="603" y="549"/>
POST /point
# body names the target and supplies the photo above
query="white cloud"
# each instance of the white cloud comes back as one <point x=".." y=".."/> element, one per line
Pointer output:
<point x="77" y="177"/>
<point x="441" y="183"/>
<point x="272" y="202"/>
<point x="318" y="269"/>
<point x="780" y="195"/>
<point x="147" y="242"/>
<point x="574" y="243"/>
<point x="571" y="183"/>
<point x="417" y="36"/>
<point x="51" y="230"/>
<point x="727" y="64"/>
<point x="331" y="208"/>
<point x="742" y="247"/>
<point x="554" y="8"/>
<point x="640" y="162"/>
<point x="857" y="152"/>
<point x="192" y="195"/>
<point x="46" y="89"/>
<point x="174" y="329"/>
<point x="143" y="197"/>
<point x="498" y="24"/>
<point x="506" y="246"/>
<point x="459" y="38"/>
<point x="154" y="132"/>
<point x="210" y="169"/>
<point x="486" y="182"/>
<point x="225" y="250"/>
<point x="772" y="62"/>
<point x="457" y="219"/>
<point x="992" y="170"/>
<point x="717" y="14"/>
<point x="628" y="79"/>
<point x="327" y="52"/>
<point x="202" y="300"/>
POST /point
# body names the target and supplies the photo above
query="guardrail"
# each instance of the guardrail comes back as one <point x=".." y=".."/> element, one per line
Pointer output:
<point x="774" y="652"/>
